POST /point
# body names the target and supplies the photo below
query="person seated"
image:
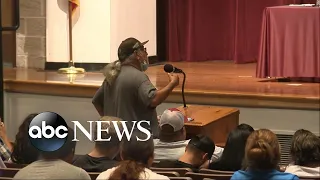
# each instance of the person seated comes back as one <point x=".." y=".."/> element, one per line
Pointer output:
<point x="55" y="165"/>
<point x="5" y="144"/>
<point x="262" y="155"/>
<point x="305" y="154"/>
<point x="233" y="154"/>
<point x="137" y="157"/>
<point x="198" y="151"/>
<point x="2" y="164"/>
<point x="23" y="152"/>
<point x="102" y="156"/>
<point x="172" y="141"/>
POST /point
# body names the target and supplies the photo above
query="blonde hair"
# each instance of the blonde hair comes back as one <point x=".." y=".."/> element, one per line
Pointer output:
<point x="262" y="150"/>
<point x="111" y="72"/>
<point x="111" y="131"/>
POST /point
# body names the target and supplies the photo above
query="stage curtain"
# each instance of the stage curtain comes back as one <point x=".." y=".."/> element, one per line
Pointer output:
<point x="201" y="30"/>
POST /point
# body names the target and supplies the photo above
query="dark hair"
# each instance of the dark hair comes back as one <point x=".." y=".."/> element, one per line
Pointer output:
<point x="65" y="150"/>
<point x="262" y="150"/>
<point x="232" y="158"/>
<point x="245" y="127"/>
<point x="305" y="148"/>
<point x="201" y="143"/>
<point x="135" y="155"/>
<point x="23" y="151"/>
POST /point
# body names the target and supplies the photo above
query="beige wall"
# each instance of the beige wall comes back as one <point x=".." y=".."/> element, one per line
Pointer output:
<point x="31" y="36"/>
<point x="106" y="25"/>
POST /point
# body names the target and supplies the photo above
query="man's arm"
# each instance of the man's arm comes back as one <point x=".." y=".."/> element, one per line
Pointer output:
<point x="152" y="97"/>
<point x="98" y="99"/>
<point x="162" y="94"/>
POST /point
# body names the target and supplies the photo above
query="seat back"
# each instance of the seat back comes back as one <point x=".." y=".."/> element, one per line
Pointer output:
<point x="8" y="172"/>
<point x="6" y="178"/>
<point x="180" y="178"/>
<point x="93" y="175"/>
<point x="14" y="165"/>
<point x="210" y="171"/>
<point x="181" y="171"/>
<point x="201" y="176"/>
<point x="167" y="173"/>
<point x="309" y="178"/>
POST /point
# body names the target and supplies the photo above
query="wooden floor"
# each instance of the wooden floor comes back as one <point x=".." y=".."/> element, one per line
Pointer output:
<point x="217" y="82"/>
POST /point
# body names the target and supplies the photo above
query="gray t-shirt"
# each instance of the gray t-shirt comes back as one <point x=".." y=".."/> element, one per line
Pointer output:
<point x="53" y="169"/>
<point x="129" y="98"/>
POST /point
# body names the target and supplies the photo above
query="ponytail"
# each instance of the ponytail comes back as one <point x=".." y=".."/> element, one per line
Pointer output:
<point x="128" y="170"/>
<point x="111" y="71"/>
<point x="262" y="150"/>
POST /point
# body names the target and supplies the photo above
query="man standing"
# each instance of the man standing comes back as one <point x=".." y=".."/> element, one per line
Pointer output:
<point x="127" y="92"/>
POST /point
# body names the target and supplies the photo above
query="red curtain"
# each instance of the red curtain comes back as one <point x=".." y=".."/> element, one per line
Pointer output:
<point x="201" y="30"/>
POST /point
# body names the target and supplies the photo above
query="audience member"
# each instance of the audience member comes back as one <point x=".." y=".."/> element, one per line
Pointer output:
<point x="2" y="165"/>
<point x="127" y="92"/>
<point x="23" y="151"/>
<point x="137" y="156"/>
<point x="172" y="141"/>
<point x="305" y="153"/>
<point x="55" y="165"/>
<point x="262" y="155"/>
<point x="5" y="144"/>
<point x="234" y="150"/>
<point x="198" y="151"/>
<point x="102" y="156"/>
<point x="245" y="127"/>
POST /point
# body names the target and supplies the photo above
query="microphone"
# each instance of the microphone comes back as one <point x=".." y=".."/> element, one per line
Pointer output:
<point x="171" y="69"/>
<point x="168" y="68"/>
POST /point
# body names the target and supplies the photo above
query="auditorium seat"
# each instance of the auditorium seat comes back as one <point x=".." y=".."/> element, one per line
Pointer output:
<point x="6" y="178"/>
<point x="168" y="173"/>
<point x="201" y="176"/>
<point x="181" y="178"/>
<point x="180" y="171"/>
<point x="14" y="165"/>
<point x="93" y="175"/>
<point x="8" y="172"/>
<point x="309" y="178"/>
<point x="155" y="163"/>
<point x="210" y="171"/>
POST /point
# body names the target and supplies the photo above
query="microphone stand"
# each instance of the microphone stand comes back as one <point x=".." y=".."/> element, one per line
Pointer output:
<point x="184" y="80"/>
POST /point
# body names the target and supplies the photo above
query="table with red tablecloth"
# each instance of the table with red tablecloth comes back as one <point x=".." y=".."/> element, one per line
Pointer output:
<point x="290" y="42"/>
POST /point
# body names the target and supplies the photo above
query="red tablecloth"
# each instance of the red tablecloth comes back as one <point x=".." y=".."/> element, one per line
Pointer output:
<point x="290" y="42"/>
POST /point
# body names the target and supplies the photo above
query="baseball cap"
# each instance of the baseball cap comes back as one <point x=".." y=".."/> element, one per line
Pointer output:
<point x="128" y="46"/>
<point x="174" y="118"/>
<point x="204" y="144"/>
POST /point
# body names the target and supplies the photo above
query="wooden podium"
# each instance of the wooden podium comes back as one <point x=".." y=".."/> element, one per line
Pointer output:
<point x="215" y="122"/>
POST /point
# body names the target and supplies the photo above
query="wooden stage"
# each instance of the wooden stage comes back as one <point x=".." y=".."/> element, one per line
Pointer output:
<point x="212" y="82"/>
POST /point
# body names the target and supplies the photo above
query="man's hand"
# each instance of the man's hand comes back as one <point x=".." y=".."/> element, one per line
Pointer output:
<point x="163" y="93"/>
<point x="174" y="79"/>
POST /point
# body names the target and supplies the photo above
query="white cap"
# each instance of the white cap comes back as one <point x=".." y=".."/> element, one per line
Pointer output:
<point x="174" y="118"/>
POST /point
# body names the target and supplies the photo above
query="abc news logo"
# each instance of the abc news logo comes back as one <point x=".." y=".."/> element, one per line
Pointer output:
<point x="48" y="131"/>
